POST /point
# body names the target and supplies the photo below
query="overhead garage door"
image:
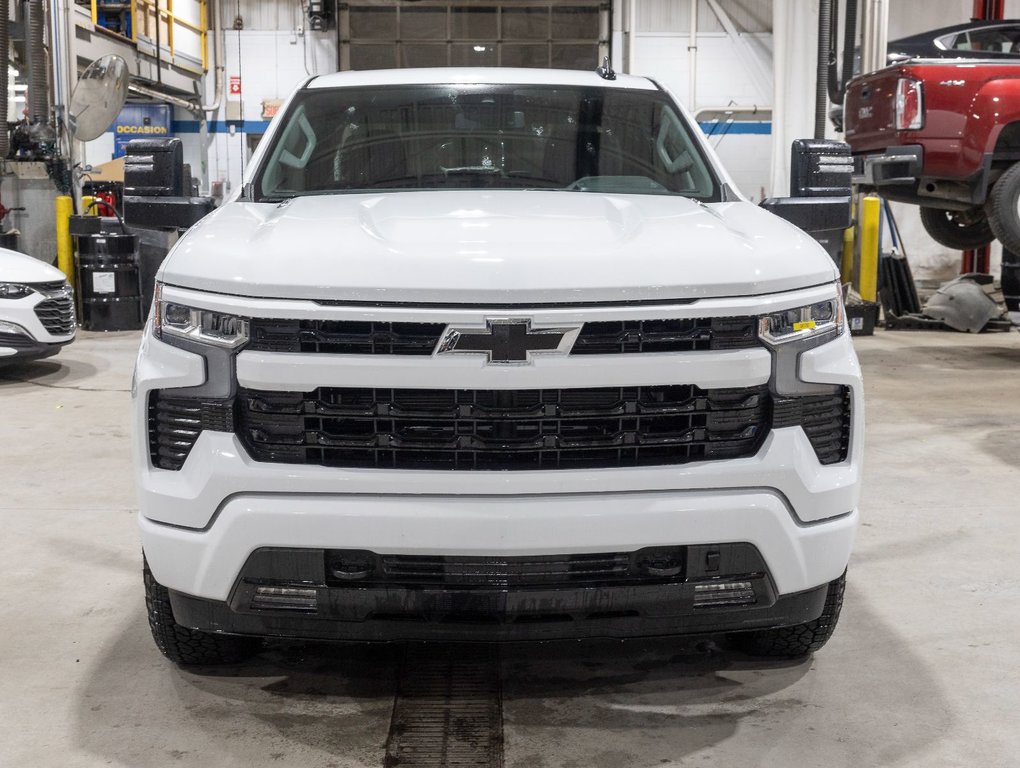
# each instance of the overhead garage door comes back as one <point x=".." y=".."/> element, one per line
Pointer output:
<point x="381" y="34"/>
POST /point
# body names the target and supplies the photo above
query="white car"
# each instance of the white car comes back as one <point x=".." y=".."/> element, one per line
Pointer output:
<point x="493" y="354"/>
<point x="36" y="309"/>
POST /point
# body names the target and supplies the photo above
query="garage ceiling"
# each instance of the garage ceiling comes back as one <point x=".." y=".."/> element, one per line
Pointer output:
<point x="565" y="34"/>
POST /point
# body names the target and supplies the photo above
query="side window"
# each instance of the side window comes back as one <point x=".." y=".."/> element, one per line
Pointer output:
<point x="676" y="155"/>
<point x="672" y="145"/>
<point x="291" y="156"/>
<point x="990" y="40"/>
<point x="949" y="42"/>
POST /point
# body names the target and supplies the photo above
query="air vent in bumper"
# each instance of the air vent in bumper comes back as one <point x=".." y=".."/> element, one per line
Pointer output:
<point x="825" y="419"/>
<point x="176" y="423"/>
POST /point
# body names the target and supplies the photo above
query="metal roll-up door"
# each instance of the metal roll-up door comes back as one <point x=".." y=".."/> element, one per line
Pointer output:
<point x="563" y="34"/>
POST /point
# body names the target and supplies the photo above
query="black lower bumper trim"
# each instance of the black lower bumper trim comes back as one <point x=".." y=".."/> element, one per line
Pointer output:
<point x="358" y="595"/>
<point x="28" y="349"/>
<point x="211" y="616"/>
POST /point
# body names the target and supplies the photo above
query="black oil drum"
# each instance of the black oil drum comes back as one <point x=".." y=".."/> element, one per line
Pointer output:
<point x="9" y="240"/>
<point x="108" y="283"/>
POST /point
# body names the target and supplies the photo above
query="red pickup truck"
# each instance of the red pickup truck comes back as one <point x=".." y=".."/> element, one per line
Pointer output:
<point x="944" y="135"/>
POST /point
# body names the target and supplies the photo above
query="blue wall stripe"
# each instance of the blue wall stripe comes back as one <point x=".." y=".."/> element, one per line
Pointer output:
<point x="259" y="126"/>
<point x="221" y="126"/>
<point x="736" y="129"/>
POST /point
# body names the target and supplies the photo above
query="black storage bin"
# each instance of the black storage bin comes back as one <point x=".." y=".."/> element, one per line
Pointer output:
<point x="820" y="168"/>
<point x="9" y="240"/>
<point x="154" y="168"/>
<point x="108" y="284"/>
<point x="862" y="318"/>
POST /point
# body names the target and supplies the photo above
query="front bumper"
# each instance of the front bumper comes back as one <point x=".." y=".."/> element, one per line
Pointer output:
<point x="206" y="563"/>
<point x="22" y="334"/>
<point x="500" y="614"/>
<point x="19" y="347"/>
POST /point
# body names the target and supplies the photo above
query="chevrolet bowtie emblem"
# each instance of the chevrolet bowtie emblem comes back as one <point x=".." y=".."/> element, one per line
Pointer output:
<point x="507" y="341"/>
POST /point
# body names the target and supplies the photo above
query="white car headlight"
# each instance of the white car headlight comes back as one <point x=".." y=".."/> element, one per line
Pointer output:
<point x="200" y="325"/>
<point x="813" y="321"/>
<point x="14" y="291"/>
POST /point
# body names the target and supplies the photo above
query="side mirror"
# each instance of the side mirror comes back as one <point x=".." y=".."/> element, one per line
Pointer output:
<point x="820" y="191"/>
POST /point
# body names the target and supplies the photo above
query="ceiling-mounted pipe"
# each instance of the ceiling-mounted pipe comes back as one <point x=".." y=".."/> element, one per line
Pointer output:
<point x="630" y="21"/>
<point x="822" y="66"/>
<point x="692" y="57"/>
<point x="177" y="101"/>
<point x="874" y="35"/>
<point x="38" y="90"/>
<point x="5" y="56"/>
<point x="219" y="68"/>
<point x="839" y="79"/>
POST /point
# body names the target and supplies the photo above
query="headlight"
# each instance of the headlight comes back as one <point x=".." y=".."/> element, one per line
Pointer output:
<point x="201" y="325"/>
<point x="814" y="321"/>
<point x="14" y="291"/>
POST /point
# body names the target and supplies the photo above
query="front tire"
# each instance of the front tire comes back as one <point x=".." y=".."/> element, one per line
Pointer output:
<point x="184" y="646"/>
<point x="1003" y="209"/>
<point x="800" y="639"/>
<point x="959" y="230"/>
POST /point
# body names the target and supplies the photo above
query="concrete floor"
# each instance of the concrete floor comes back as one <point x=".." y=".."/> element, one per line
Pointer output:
<point x="923" y="671"/>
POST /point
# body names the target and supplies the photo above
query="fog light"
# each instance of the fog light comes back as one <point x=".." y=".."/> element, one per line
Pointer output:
<point x="723" y="593"/>
<point x="286" y="599"/>
<point x="12" y="328"/>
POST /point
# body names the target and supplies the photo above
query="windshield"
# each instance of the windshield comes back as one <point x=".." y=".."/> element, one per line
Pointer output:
<point x="483" y="136"/>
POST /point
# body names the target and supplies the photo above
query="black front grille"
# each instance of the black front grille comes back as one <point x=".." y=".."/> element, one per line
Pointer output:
<point x="824" y="418"/>
<point x="503" y="430"/>
<point x="651" y="565"/>
<point x="56" y="315"/>
<point x="355" y="337"/>
<point x="176" y="422"/>
<point x="692" y="335"/>
<point x="344" y="337"/>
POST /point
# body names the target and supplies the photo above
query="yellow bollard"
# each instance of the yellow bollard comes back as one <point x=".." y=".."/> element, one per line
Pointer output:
<point x="65" y="252"/>
<point x="846" y="264"/>
<point x="86" y="205"/>
<point x="870" y="216"/>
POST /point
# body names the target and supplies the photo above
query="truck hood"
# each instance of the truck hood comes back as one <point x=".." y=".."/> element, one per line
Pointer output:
<point x="498" y="247"/>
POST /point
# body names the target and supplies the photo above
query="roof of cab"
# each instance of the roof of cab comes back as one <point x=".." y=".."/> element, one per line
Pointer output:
<point x="487" y="75"/>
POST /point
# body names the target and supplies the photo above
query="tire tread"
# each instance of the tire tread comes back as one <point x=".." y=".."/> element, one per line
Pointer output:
<point x="942" y="229"/>
<point x="185" y="646"/>
<point x="800" y="639"/>
<point x="1001" y="209"/>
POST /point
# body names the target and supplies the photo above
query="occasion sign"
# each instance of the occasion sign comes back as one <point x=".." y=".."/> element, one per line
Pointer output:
<point x="140" y="121"/>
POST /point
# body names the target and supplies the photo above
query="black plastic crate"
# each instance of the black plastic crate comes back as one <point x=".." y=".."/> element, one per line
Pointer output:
<point x="862" y="318"/>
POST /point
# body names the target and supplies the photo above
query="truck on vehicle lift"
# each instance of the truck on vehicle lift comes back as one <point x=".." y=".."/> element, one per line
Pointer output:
<point x="495" y="355"/>
<point x="944" y="135"/>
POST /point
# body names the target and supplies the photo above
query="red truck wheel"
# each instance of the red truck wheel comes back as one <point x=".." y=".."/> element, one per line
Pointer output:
<point x="959" y="230"/>
<point x="1002" y="209"/>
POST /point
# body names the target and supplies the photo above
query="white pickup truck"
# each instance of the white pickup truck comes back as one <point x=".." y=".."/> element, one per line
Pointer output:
<point x="494" y="354"/>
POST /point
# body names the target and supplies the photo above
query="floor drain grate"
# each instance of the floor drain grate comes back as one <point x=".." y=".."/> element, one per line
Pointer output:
<point x="447" y="711"/>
